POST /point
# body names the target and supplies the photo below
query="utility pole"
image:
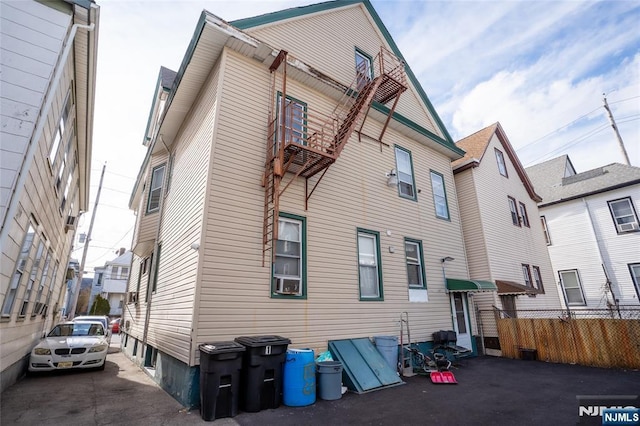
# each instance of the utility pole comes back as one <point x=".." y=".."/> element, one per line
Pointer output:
<point x="76" y="291"/>
<point x="615" y="130"/>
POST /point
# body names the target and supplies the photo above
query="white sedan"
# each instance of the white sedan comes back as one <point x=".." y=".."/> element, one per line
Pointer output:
<point x="71" y="345"/>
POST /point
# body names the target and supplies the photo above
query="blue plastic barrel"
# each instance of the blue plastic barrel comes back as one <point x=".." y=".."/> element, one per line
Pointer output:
<point x="299" y="377"/>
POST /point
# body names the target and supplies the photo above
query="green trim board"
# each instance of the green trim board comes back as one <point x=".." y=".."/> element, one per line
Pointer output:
<point x="457" y="284"/>
<point x="269" y="18"/>
<point x="364" y="367"/>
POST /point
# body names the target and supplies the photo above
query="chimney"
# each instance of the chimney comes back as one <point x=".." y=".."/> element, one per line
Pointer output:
<point x="121" y="251"/>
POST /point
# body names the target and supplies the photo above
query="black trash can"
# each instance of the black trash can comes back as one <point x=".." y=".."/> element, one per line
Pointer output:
<point x="261" y="377"/>
<point x="220" y="366"/>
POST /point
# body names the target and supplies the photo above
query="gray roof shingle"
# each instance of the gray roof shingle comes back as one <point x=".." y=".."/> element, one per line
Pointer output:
<point x="550" y="181"/>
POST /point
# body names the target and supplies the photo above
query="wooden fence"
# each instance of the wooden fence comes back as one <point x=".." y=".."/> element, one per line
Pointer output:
<point x="599" y="342"/>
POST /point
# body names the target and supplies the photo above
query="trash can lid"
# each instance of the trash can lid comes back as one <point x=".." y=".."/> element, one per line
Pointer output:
<point x="259" y="341"/>
<point x="221" y="347"/>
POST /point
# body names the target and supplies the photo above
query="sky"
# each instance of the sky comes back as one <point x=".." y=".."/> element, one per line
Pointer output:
<point x="540" y="68"/>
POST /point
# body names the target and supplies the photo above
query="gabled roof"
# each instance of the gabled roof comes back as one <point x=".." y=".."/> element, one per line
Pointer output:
<point x="475" y="146"/>
<point x="557" y="187"/>
<point x="270" y="18"/>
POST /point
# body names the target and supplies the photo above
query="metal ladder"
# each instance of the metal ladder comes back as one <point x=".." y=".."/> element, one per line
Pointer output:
<point x="406" y="364"/>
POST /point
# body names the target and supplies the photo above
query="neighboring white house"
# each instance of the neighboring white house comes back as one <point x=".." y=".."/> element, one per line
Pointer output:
<point x="592" y="231"/>
<point x="503" y="238"/>
<point x="47" y="85"/>
<point x="256" y="217"/>
<point x="110" y="282"/>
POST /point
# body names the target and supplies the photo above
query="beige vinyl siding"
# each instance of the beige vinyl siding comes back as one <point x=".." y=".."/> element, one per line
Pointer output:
<point x="472" y="229"/>
<point x="135" y="312"/>
<point x="39" y="197"/>
<point x="335" y="56"/>
<point x="173" y="302"/>
<point x="147" y="223"/>
<point x="510" y="246"/>
<point x="235" y="288"/>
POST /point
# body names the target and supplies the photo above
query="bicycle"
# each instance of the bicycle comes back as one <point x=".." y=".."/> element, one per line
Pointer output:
<point x="423" y="363"/>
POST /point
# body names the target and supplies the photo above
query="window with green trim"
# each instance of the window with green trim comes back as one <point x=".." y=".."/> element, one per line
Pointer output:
<point x="406" y="181"/>
<point x="289" y="267"/>
<point x="415" y="266"/>
<point x="155" y="190"/>
<point x="294" y="122"/>
<point x="369" y="265"/>
<point x="439" y="195"/>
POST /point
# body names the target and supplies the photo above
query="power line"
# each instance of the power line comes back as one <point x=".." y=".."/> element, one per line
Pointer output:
<point x="624" y="100"/>
<point x="116" y="174"/>
<point x="576" y="120"/>
<point x="571" y="143"/>
<point x="558" y="129"/>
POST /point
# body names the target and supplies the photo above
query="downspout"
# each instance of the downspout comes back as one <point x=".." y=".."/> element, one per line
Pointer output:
<point x="30" y="154"/>
<point x="153" y="270"/>
<point x="604" y="266"/>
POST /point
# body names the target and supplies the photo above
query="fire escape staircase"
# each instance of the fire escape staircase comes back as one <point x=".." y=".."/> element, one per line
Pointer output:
<point x="305" y="144"/>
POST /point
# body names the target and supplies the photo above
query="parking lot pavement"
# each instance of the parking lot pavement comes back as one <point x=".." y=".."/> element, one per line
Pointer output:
<point x="489" y="391"/>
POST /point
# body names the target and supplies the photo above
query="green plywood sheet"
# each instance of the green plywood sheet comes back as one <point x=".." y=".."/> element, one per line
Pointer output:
<point x="364" y="368"/>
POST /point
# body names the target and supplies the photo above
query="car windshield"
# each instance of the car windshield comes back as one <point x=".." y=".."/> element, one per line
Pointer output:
<point x="77" y="329"/>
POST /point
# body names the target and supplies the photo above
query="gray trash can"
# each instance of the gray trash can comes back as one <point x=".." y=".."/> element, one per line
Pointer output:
<point x="388" y="348"/>
<point x="330" y="380"/>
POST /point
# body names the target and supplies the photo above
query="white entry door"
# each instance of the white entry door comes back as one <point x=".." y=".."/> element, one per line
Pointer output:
<point x="461" y="322"/>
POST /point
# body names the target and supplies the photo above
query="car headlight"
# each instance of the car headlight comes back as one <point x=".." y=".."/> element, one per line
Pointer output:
<point x="42" y="351"/>
<point x="98" y="348"/>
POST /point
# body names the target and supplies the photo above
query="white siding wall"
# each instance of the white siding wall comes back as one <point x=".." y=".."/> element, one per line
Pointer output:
<point x="235" y="288"/>
<point x="575" y="245"/>
<point x="32" y="37"/>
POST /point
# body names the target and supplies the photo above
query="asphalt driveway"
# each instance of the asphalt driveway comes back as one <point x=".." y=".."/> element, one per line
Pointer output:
<point x="490" y="390"/>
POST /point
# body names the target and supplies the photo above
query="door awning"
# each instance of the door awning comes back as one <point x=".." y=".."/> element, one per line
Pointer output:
<point x="456" y="284"/>
<point x="510" y="288"/>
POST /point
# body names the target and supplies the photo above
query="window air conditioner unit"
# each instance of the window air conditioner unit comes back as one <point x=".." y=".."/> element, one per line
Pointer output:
<point x="72" y="221"/>
<point x="287" y="286"/>
<point x="624" y="227"/>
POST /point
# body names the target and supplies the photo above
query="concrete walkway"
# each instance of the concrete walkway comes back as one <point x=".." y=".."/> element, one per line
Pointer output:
<point x="489" y="391"/>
